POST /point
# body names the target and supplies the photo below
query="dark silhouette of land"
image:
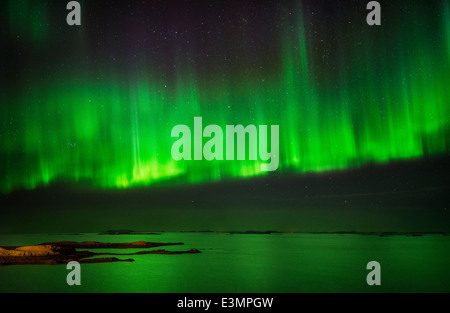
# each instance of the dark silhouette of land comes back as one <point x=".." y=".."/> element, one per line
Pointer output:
<point x="62" y="252"/>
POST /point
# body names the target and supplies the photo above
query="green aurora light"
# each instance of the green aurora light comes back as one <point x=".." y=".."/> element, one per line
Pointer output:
<point x="387" y="99"/>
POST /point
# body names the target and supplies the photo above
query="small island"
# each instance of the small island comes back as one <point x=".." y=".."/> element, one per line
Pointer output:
<point x="62" y="252"/>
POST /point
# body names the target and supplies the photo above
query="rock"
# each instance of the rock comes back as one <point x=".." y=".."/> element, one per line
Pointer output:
<point x="40" y="250"/>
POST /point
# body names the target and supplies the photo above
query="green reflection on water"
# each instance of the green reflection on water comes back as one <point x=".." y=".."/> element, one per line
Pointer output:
<point x="248" y="263"/>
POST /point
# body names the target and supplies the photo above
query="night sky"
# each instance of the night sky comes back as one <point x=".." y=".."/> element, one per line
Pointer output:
<point x="87" y="111"/>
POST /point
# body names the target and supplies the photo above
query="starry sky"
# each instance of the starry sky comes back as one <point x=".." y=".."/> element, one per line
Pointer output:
<point x="94" y="105"/>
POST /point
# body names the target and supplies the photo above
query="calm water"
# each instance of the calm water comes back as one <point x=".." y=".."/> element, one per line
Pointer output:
<point x="247" y="263"/>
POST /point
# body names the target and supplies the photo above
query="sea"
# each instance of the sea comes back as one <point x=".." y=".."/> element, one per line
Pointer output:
<point x="245" y="263"/>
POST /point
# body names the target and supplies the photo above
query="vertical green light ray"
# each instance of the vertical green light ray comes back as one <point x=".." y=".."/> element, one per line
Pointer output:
<point x="446" y="19"/>
<point x="29" y="19"/>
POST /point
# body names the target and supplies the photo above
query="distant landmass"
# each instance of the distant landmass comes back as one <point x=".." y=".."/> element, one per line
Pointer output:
<point x="126" y="232"/>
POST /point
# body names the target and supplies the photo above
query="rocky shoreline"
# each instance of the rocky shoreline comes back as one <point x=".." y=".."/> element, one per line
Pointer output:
<point x="62" y="252"/>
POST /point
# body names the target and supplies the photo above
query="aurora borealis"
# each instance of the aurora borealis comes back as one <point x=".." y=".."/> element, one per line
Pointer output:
<point x="97" y="103"/>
